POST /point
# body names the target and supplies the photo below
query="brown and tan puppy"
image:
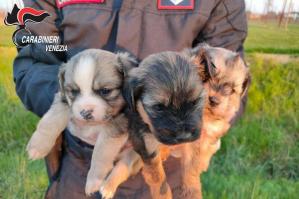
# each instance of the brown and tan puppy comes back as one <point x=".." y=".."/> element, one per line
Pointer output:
<point x="90" y="104"/>
<point x="226" y="79"/>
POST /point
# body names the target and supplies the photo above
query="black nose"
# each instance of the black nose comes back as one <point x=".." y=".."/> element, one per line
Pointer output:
<point x="195" y="131"/>
<point x="87" y="114"/>
<point x="169" y="137"/>
<point x="214" y="101"/>
<point x="167" y="133"/>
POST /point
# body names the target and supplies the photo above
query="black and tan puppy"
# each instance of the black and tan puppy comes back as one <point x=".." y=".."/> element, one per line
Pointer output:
<point x="166" y="99"/>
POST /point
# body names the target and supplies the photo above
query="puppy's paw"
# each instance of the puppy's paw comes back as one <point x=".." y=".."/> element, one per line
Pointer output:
<point x="38" y="147"/>
<point x="92" y="186"/>
<point x="34" y="154"/>
<point x="107" y="190"/>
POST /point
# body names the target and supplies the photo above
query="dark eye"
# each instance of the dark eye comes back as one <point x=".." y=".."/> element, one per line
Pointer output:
<point x="227" y="90"/>
<point x="75" y="92"/>
<point x="104" y="91"/>
<point x="194" y="102"/>
<point x="159" y="107"/>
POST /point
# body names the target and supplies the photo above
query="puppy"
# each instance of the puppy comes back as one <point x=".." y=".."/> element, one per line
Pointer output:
<point x="166" y="98"/>
<point x="90" y="104"/>
<point x="226" y="79"/>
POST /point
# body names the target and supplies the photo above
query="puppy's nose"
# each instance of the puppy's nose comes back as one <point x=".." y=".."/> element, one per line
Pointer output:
<point x="214" y="101"/>
<point x="167" y="132"/>
<point x="184" y="136"/>
<point x="188" y="134"/>
<point x="195" y="131"/>
<point x="87" y="114"/>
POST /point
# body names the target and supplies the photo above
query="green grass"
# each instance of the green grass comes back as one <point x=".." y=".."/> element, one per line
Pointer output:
<point x="6" y="33"/>
<point x="258" y="158"/>
<point x="269" y="38"/>
<point x="19" y="178"/>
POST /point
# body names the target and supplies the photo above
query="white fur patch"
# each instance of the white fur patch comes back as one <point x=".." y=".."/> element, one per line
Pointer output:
<point x="84" y="75"/>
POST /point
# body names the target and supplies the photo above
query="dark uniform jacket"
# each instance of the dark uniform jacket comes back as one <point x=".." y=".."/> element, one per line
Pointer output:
<point x="136" y="26"/>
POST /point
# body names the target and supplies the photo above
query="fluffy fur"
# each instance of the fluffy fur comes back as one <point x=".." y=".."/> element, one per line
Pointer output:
<point x="90" y="104"/>
<point x="226" y="79"/>
<point x="173" y="98"/>
<point x="166" y="98"/>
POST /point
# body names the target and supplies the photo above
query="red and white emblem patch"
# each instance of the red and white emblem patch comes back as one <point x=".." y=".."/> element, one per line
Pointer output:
<point x="175" y="4"/>
<point x="62" y="3"/>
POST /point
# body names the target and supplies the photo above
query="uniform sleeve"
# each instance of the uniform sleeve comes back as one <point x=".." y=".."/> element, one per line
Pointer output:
<point x="35" y="70"/>
<point x="227" y="26"/>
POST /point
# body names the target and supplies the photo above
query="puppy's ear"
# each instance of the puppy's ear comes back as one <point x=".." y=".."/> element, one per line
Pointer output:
<point x="132" y="89"/>
<point x="61" y="79"/>
<point x="206" y="68"/>
<point x="246" y="84"/>
<point x="125" y="63"/>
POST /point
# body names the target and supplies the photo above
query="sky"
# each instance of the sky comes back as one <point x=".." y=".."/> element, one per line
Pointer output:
<point x="7" y="5"/>
<point x="257" y="6"/>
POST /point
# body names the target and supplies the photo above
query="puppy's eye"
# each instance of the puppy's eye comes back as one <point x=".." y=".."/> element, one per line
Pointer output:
<point x="75" y="92"/>
<point x="159" y="107"/>
<point x="194" y="102"/>
<point x="104" y="91"/>
<point x="227" y="90"/>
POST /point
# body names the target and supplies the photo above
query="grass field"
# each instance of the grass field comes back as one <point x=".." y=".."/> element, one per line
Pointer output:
<point x="258" y="159"/>
<point x="268" y="38"/>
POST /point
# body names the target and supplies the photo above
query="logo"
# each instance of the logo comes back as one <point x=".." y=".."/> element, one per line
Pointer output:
<point x="20" y="17"/>
<point x="175" y="4"/>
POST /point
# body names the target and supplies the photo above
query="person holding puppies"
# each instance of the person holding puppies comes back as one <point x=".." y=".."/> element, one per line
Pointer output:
<point x="141" y="28"/>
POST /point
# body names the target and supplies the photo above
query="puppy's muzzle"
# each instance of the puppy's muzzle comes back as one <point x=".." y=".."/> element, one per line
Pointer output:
<point x="87" y="114"/>
<point x="169" y="137"/>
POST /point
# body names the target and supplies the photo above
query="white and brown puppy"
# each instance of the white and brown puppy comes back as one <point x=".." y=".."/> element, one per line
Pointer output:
<point x="90" y="104"/>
